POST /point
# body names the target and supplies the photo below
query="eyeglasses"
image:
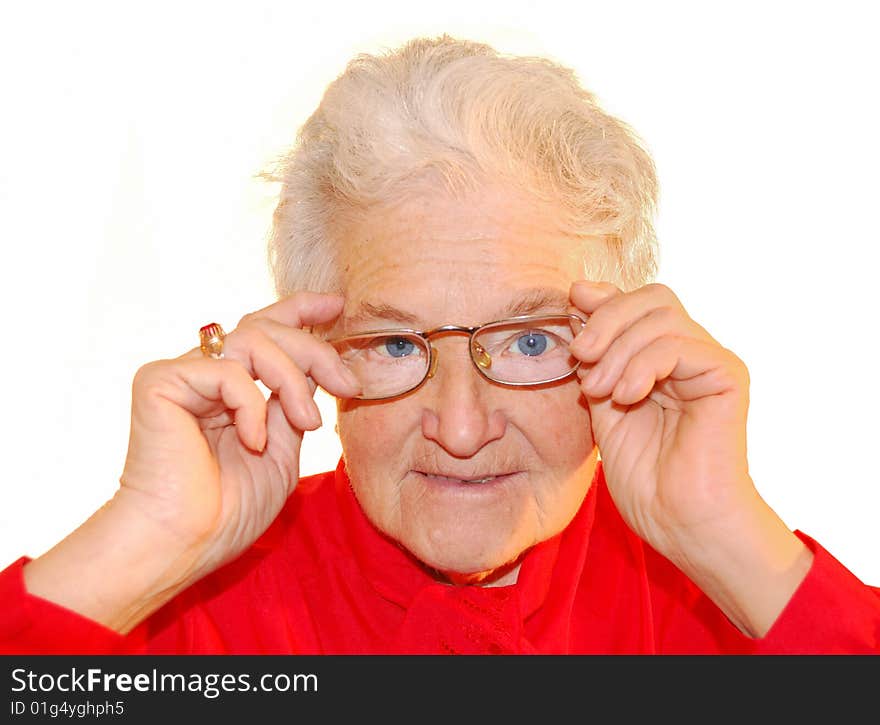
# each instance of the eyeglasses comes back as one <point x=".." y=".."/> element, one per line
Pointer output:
<point x="519" y="351"/>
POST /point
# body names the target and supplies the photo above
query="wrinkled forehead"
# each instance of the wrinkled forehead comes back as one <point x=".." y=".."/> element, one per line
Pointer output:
<point x="468" y="259"/>
<point x="425" y="284"/>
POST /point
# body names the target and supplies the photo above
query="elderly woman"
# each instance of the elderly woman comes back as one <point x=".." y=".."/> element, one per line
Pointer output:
<point x="462" y="250"/>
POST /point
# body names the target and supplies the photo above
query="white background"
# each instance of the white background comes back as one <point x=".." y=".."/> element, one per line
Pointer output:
<point x="130" y="136"/>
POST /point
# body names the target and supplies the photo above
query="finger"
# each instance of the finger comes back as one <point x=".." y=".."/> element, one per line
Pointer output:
<point x="691" y="369"/>
<point x="295" y="311"/>
<point x="281" y="374"/>
<point x="307" y="355"/>
<point x="289" y="362"/>
<point x="616" y="314"/>
<point x="313" y="358"/>
<point x="205" y="388"/>
<point x="587" y="296"/>
<point x="603" y="376"/>
<point x="301" y="309"/>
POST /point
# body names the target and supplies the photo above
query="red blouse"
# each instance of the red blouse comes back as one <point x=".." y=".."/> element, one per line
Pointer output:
<point x="322" y="579"/>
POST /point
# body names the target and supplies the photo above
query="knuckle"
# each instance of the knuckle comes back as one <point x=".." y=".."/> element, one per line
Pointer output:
<point x="247" y="320"/>
<point x="608" y="287"/>
<point x="668" y="315"/>
<point x="300" y="299"/>
<point x="148" y="373"/>
<point x="664" y="292"/>
<point x="738" y="367"/>
<point x="244" y="338"/>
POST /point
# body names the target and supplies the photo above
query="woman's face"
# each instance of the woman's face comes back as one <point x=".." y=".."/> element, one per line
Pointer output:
<point x="464" y="473"/>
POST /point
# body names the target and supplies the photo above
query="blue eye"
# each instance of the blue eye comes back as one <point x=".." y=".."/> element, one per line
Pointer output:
<point x="532" y="344"/>
<point x="399" y="346"/>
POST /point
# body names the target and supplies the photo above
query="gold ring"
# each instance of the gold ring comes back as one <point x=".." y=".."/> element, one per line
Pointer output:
<point x="211" y="340"/>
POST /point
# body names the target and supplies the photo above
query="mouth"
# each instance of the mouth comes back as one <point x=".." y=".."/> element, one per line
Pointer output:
<point x="444" y="479"/>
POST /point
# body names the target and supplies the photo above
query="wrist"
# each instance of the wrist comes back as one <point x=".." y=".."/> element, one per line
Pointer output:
<point x="749" y="564"/>
<point x="117" y="568"/>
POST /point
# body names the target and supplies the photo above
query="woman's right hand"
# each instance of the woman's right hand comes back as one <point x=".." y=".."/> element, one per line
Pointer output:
<point x="210" y="459"/>
<point x="210" y="464"/>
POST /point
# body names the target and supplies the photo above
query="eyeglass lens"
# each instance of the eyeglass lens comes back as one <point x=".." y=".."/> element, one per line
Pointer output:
<point x="513" y="352"/>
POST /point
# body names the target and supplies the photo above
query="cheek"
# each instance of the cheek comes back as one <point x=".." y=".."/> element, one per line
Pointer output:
<point x="375" y="438"/>
<point x="558" y="424"/>
<point x="376" y="441"/>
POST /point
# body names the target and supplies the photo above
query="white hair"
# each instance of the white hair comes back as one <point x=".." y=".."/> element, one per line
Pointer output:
<point x="459" y="113"/>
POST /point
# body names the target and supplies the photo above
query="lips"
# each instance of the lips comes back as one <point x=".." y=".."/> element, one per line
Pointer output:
<point x="473" y="480"/>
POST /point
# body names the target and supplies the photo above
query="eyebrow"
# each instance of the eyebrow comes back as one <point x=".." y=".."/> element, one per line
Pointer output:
<point x="536" y="299"/>
<point x="367" y="311"/>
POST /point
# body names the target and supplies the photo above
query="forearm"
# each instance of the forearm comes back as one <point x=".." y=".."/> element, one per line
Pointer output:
<point x="750" y="565"/>
<point x="117" y="568"/>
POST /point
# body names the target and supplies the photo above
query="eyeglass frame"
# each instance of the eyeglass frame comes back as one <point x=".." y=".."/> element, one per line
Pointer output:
<point x="433" y="355"/>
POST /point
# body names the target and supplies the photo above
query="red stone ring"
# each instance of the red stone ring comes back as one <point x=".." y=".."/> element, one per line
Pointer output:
<point x="211" y="340"/>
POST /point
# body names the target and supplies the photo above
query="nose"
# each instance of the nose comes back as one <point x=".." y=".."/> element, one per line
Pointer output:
<point x="460" y="413"/>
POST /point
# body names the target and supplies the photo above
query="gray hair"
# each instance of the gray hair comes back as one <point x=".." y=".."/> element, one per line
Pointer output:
<point x="459" y="113"/>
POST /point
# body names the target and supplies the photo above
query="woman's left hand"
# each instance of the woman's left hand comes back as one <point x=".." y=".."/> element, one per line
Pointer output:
<point x="668" y="405"/>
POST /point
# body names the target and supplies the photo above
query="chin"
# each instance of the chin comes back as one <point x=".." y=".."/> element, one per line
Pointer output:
<point x="461" y="566"/>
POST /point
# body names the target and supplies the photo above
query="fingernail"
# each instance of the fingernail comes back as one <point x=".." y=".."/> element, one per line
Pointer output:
<point x="314" y="415"/>
<point x="585" y="339"/>
<point x="594" y="377"/>
<point x="621" y="390"/>
<point x="350" y="378"/>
